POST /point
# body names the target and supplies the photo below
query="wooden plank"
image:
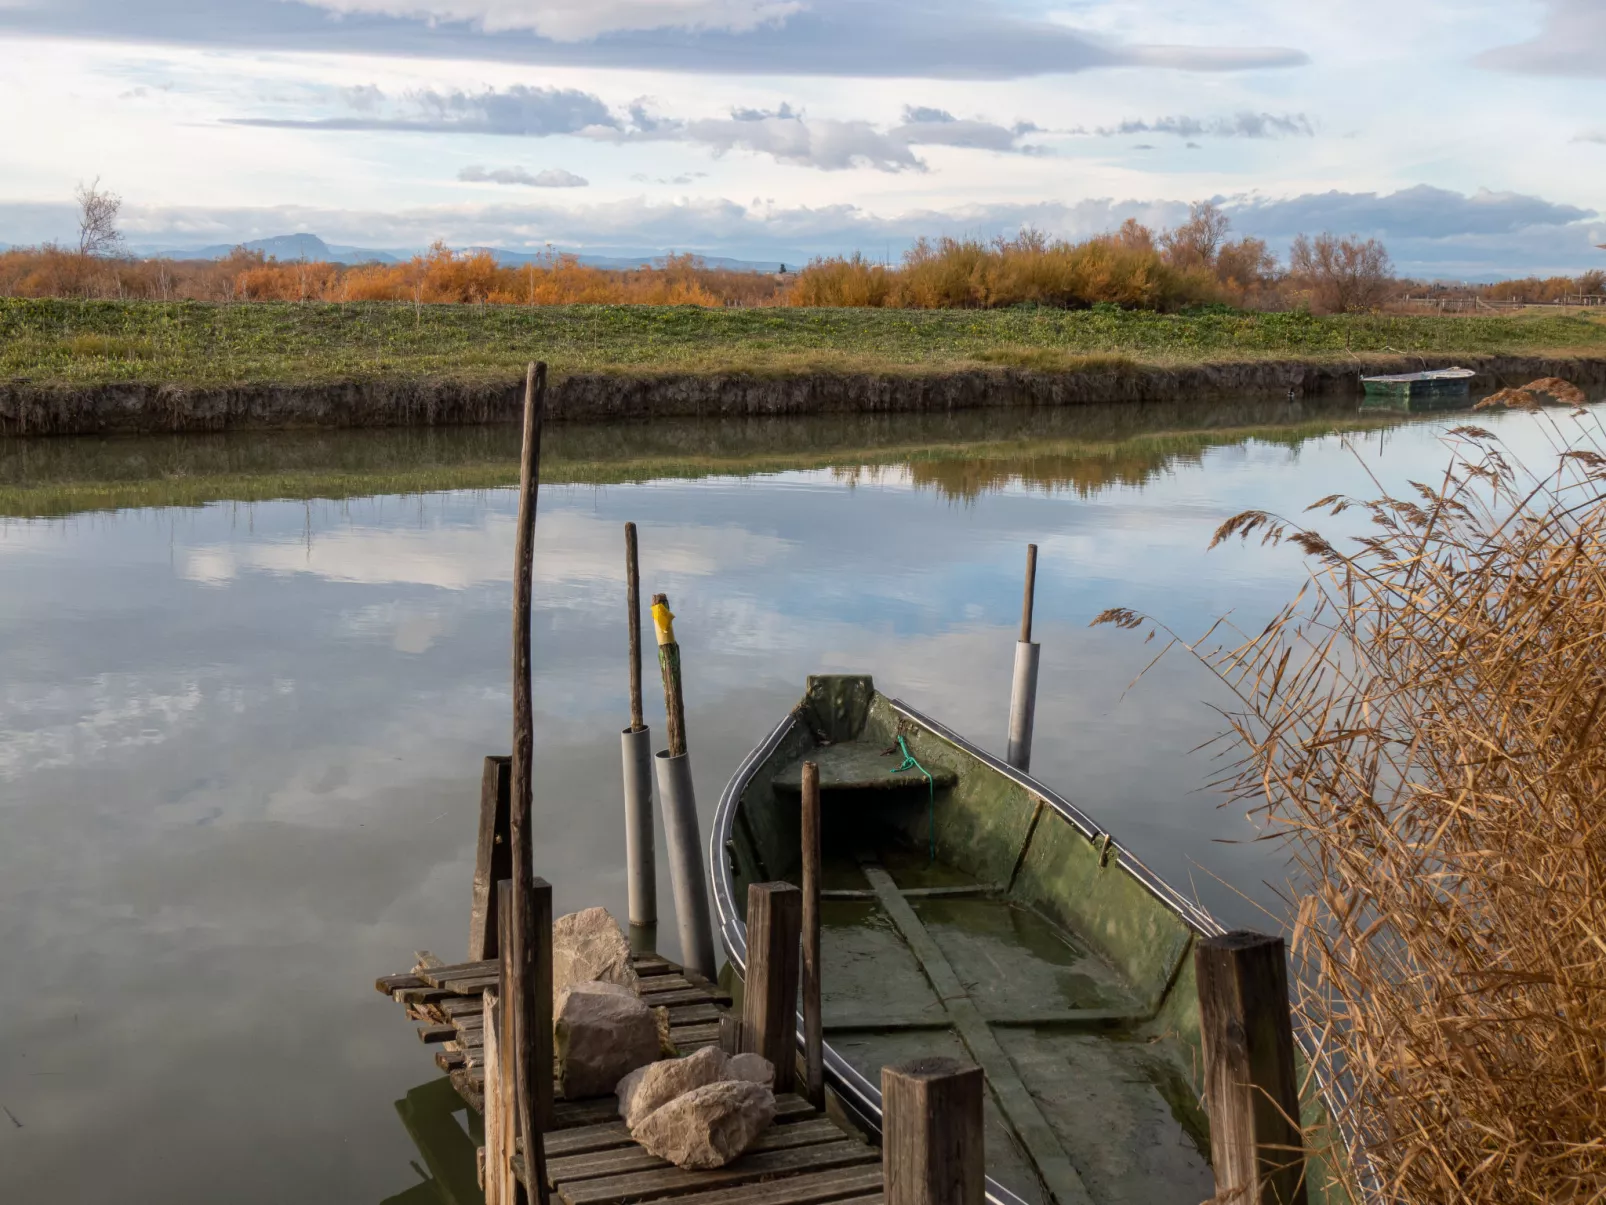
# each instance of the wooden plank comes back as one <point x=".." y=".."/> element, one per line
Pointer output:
<point x="931" y="1128"/>
<point x="789" y="1108"/>
<point x="493" y="855"/>
<point x="387" y="984"/>
<point x="419" y="995"/>
<point x="674" y="1182"/>
<point x="437" y="1033"/>
<point x="496" y="1169"/>
<point x="853" y="1184"/>
<point x="684" y="1035"/>
<point x="695" y="1014"/>
<point x="691" y="995"/>
<point x="446" y="976"/>
<point x="1017" y="1104"/>
<point x="653" y="964"/>
<point x="450" y="1060"/>
<point x="664" y="983"/>
<point x="632" y="1158"/>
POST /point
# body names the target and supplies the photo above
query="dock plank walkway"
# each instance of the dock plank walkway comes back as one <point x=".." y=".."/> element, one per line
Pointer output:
<point x="804" y="1159"/>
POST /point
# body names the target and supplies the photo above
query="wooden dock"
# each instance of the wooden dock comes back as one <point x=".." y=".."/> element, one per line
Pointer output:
<point x="804" y="1159"/>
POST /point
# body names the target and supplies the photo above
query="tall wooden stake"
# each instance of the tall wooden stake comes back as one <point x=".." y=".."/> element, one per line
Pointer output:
<point x="1251" y="1092"/>
<point x="769" y="1004"/>
<point x="633" y="603"/>
<point x="813" y="1022"/>
<point x="931" y="1133"/>
<point x="669" y="666"/>
<point x="493" y="857"/>
<point x="526" y="968"/>
<point x="1029" y="600"/>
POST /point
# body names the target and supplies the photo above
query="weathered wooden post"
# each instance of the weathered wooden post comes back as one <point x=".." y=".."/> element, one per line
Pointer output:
<point x="529" y="994"/>
<point x="1250" y="1089"/>
<point x="641" y="862"/>
<point x="931" y="1133"/>
<point x="813" y="1022"/>
<point x="769" y="1004"/>
<point x="525" y="1011"/>
<point x="499" y="1121"/>
<point x="493" y="857"/>
<point x="678" y="798"/>
<point x="1023" y="690"/>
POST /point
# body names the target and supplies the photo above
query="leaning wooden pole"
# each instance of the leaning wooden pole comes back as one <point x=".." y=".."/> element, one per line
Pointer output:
<point x="526" y="971"/>
<point x="813" y="1022"/>
<point x="1023" y="689"/>
<point x="641" y="860"/>
<point x="678" y="799"/>
<point x="1251" y="1092"/>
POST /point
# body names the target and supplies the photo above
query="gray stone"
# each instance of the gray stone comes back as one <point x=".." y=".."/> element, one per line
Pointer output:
<point x="588" y="947"/>
<point x="647" y="1088"/>
<point x="708" y="1126"/>
<point x="601" y="1032"/>
<point x="754" y="1068"/>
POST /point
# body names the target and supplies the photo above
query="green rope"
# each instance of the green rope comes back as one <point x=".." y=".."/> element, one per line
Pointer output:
<point x="909" y="763"/>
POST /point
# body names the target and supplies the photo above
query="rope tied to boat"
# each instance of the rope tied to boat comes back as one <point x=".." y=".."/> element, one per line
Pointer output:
<point x="909" y="763"/>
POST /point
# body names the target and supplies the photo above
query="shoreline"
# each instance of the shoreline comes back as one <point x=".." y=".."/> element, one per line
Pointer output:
<point x="30" y="408"/>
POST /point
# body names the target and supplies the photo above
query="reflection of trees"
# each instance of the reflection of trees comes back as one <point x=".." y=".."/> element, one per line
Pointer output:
<point x="961" y="455"/>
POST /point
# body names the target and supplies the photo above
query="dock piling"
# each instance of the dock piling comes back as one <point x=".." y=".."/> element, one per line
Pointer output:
<point x="678" y="798"/>
<point x="813" y="1024"/>
<point x="769" y="1004"/>
<point x="1250" y="1088"/>
<point x="641" y="861"/>
<point x="493" y="857"/>
<point x="931" y="1133"/>
<point x="1023" y="688"/>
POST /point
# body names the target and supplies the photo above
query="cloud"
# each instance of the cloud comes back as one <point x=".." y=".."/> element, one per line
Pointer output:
<point x="549" y="177"/>
<point x="937" y="127"/>
<point x="575" y="20"/>
<point x="1572" y="42"/>
<point x="1420" y="212"/>
<point x="826" y="144"/>
<point x="519" y="110"/>
<point x="1241" y="125"/>
<point x="930" y="39"/>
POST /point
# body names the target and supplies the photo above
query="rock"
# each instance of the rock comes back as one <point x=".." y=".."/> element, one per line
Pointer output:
<point x="642" y="1091"/>
<point x="601" y="1032"/>
<point x="754" y="1068"/>
<point x="588" y="947"/>
<point x="708" y="1126"/>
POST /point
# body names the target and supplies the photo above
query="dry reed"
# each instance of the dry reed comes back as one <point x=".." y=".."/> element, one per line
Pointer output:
<point x="1423" y="725"/>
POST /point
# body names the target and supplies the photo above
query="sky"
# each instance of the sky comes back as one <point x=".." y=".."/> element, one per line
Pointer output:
<point x="1468" y="135"/>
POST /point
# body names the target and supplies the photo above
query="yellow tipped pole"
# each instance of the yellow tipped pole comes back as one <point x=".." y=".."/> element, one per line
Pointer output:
<point x="663" y="622"/>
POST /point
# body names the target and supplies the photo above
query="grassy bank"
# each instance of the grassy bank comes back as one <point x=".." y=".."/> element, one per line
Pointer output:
<point x="194" y="343"/>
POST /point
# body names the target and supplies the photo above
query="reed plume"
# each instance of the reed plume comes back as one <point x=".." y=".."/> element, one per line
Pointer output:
<point x="1423" y="725"/>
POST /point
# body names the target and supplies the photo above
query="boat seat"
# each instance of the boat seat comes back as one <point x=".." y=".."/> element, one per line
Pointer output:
<point x="859" y="766"/>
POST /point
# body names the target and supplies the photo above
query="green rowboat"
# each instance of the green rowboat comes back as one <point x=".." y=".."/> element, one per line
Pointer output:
<point x="968" y="909"/>
<point x="1435" y="389"/>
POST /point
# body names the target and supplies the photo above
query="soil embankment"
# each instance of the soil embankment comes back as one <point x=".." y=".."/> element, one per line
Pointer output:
<point x="28" y="408"/>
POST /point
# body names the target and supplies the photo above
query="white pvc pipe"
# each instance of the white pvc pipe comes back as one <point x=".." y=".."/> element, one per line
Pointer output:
<point x="679" y="801"/>
<point x="641" y="861"/>
<point x="1023" y="706"/>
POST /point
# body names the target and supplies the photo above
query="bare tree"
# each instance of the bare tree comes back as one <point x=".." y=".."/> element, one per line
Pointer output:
<point x="1341" y="274"/>
<point x="1194" y="243"/>
<point x="97" y="219"/>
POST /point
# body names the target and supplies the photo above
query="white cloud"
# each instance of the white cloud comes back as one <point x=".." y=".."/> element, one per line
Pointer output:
<point x="548" y="177"/>
<point x="577" y="20"/>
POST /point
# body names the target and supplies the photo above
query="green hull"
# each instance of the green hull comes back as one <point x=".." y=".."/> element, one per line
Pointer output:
<point x="1011" y="932"/>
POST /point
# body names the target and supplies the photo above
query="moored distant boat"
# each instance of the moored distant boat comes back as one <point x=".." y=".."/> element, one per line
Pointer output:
<point x="1441" y="382"/>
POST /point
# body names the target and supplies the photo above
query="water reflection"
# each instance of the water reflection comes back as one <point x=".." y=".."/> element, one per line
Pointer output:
<point x="240" y="744"/>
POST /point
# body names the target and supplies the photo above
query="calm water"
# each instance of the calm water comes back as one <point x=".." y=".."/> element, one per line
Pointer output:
<point x="240" y="743"/>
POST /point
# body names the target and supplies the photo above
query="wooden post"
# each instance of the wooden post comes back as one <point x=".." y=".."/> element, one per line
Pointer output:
<point x="633" y="605"/>
<point x="669" y="666"/>
<point x="769" y="1006"/>
<point x="1031" y="592"/>
<point x="813" y="1023"/>
<point x="493" y="857"/>
<point x="1250" y="1089"/>
<point x="507" y="1071"/>
<point x="528" y="970"/>
<point x="931" y="1133"/>
<point x="499" y="1128"/>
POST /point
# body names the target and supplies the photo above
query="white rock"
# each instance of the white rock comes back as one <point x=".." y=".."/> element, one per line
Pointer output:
<point x="754" y="1068"/>
<point x="708" y="1126"/>
<point x="587" y="947"/>
<point x="601" y="1032"/>
<point x="647" y="1088"/>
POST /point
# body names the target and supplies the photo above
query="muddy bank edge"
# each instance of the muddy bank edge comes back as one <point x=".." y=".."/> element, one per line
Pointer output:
<point x="28" y="408"/>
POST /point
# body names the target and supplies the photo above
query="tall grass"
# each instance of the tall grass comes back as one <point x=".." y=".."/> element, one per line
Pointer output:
<point x="1423" y="724"/>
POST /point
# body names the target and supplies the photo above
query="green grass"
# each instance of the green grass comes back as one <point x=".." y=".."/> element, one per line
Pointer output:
<point x="75" y="342"/>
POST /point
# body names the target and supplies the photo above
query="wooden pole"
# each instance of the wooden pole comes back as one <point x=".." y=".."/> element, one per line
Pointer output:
<point x="769" y="1005"/>
<point x="633" y="604"/>
<point x="813" y="1023"/>
<point x="1030" y="595"/>
<point x="507" y="1071"/>
<point x="493" y="857"/>
<point x="1250" y="1089"/>
<point x="497" y="1132"/>
<point x="528" y="969"/>
<point x="931" y="1133"/>
<point x="669" y="665"/>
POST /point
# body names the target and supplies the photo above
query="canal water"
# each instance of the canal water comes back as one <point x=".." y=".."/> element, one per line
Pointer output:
<point x="248" y="683"/>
